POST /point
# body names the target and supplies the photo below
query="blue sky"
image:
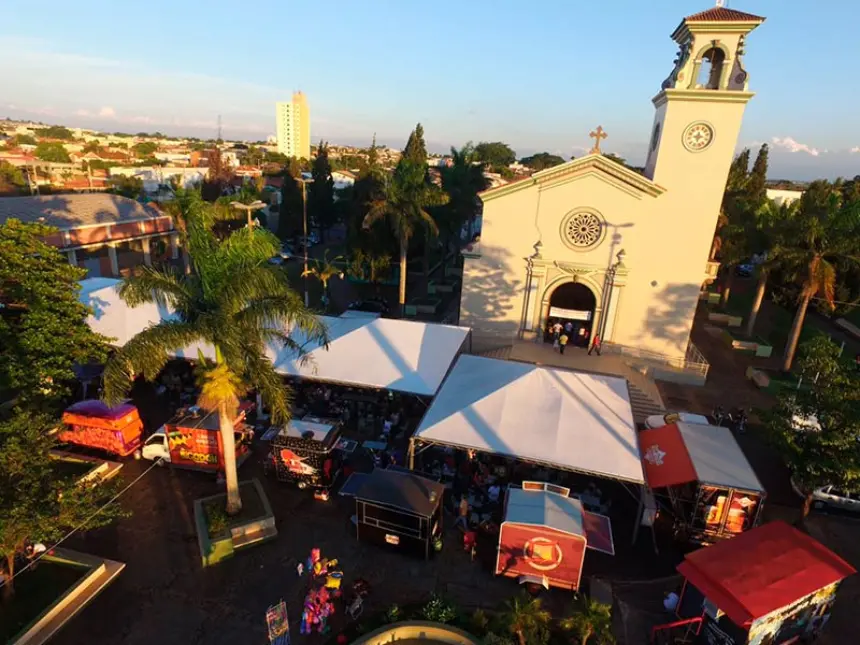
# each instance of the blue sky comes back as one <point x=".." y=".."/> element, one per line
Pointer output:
<point x="538" y="75"/>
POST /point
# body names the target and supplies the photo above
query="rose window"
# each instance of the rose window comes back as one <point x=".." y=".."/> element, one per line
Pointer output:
<point x="583" y="229"/>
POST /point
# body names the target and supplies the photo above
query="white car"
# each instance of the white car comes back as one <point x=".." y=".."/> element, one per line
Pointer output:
<point x="156" y="447"/>
<point x="830" y="497"/>
<point x="660" y="420"/>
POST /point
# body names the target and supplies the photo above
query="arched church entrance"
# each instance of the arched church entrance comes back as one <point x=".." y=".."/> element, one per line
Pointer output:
<point x="572" y="306"/>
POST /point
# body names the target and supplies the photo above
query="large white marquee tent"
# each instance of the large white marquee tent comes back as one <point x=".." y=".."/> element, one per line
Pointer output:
<point x="399" y="355"/>
<point x="568" y="420"/>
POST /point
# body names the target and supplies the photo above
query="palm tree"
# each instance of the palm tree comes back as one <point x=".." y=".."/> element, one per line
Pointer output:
<point x="590" y="619"/>
<point x="234" y="301"/>
<point x="771" y="220"/>
<point x="462" y="180"/>
<point x="527" y="619"/>
<point x="822" y="236"/>
<point x="324" y="270"/>
<point x="404" y="203"/>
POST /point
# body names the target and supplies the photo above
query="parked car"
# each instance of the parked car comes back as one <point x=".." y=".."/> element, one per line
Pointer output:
<point x="833" y="498"/>
<point x="744" y="270"/>
<point x="660" y="420"/>
<point x="372" y="305"/>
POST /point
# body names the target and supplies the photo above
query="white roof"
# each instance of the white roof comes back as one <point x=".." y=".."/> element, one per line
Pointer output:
<point x="298" y="429"/>
<point x="569" y="420"/>
<point x="543" y="508"/>
<point x="400" y="355"/>
<point x="717" y="457"/>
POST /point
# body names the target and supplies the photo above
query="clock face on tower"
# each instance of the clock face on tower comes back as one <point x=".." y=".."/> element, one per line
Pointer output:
<point x="698" y="136"/>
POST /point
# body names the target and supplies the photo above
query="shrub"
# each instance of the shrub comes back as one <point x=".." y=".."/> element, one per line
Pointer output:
<point x="438" y="610"/>
<point x="216" y="519"/>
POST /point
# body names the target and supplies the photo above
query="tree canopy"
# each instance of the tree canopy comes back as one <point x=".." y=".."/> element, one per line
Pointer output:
<point x="145" y="148"/>
<point x="12" y="180"/>
<point x="36" y="502"/>
<point x="416" y="150"/>
<point x="52" y="151"/>
<point x="495" y="154"/>
<point x="55" y="132"/>
<point x="130" y="187"/>
<point x="816" y="427"/>
<point x="43" y="329"/>
<point x="541" y="160"/>
<point x="321" y="191"/>
<point x="23" y="139"/>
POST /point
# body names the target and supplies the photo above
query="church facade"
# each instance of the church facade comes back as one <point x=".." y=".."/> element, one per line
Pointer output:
<point x="621" y="253"/>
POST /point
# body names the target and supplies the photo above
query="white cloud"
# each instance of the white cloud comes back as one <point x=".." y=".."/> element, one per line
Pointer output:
<point x="855" y="150"/>
<point x="794" y="146"/>
<point x="83" y="112"/>
<point x="107" y="111"/>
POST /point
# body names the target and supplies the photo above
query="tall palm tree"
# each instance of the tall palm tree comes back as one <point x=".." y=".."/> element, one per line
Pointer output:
<point x="404" y="202"/>
<point x="822" y="235"/>
<point x="527" y="619"/>
<point x="324" y="270"/>
<point x="234" y="301"/>
<point x="462" y="180"/>
<point x="590" y="619"/>
<point x="772" y="219"/>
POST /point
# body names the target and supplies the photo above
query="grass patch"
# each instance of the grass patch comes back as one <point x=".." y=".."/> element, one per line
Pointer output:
<point x="65" y="468"/>
<point x="35" y="590"/>
<point x="775" y="324"/>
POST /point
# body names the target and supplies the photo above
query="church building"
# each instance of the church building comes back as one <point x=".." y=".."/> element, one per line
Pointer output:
<point x="621" y="253"/>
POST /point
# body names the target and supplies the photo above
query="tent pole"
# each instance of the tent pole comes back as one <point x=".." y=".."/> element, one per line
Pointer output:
<point x="411" y="453"/>
<point x="639" y="512"/>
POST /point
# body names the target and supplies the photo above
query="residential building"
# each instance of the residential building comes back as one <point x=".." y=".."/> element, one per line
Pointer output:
<point x="293" y="121"/>
<point x="153" y="177"/>
<point x="106" y="234"/>
<point x="781" y="196"/>
<point x="623" y="255"/>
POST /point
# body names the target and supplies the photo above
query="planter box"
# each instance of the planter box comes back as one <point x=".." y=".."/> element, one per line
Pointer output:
<point x="711" y="298"/>
<point x="759" y="378"/>
<point x="423" y="306"/>
<point x="757" y="346"/>
<point x="247" y="529"/>
<point x="434" y="288"/>
<point x="725" y="319"/>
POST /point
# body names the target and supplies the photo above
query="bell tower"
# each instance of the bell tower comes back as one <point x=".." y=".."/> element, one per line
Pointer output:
<point x="701" y="104"/>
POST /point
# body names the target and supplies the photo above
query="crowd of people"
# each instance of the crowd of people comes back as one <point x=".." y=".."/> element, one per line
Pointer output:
<point x="562" y="333"/>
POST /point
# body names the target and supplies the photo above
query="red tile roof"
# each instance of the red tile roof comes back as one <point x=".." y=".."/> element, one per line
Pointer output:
<point x="762" y="570"/>
<point x="722" y="14"/>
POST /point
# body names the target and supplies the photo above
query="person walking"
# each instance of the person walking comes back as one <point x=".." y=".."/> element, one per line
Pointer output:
<point x="562" y="343"/>
<point x="595" y="345"/>
<point x="556" y="333"/>
<point x="463" y="517"/>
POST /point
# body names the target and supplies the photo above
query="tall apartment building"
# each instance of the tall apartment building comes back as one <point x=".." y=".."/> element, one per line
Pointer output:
<point x="294" y="127"/>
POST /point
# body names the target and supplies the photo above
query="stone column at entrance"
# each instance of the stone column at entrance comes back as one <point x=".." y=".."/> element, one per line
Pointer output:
<point x="147" y="253"/>
<point x="114" y="262"/>
<point x="615" y="290"/>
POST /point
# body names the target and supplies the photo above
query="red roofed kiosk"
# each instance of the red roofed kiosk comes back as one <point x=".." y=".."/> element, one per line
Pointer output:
<point x="712" y="490"/>
<point x="772" y="585"/>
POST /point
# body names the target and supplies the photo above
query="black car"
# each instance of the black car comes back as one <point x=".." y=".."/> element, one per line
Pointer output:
<point x="371" y="305"/>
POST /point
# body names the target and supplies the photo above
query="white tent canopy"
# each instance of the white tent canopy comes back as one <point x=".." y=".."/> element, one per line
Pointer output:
<point x="568" y="420"/>
<point x="399" y="355"/>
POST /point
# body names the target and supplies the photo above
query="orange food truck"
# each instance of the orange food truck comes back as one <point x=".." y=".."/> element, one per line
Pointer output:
<point x="192" y="439"/>
<point x="93" y="424"/>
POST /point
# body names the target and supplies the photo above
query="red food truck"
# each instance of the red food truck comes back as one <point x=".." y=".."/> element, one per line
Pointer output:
<point x="544" y="535"/>
<point x="192" y="439"/>
<point x="93" y="424"/>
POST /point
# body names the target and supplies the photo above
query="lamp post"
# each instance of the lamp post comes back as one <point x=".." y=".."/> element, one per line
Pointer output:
<point x="304" y="182"/>
<point x="249" y="208"/>
<point x="611" y="273"/>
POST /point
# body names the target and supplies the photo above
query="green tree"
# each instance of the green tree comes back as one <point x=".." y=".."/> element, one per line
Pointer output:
<point x="321" y="191"/>
<point x="823" y="235"/>
<point x="816" y="427"/>
<point x="369" y="187"/>
<point x="54" y="152"/>
<point x="43" y="328"/>
<point x="415" y="150"/>
<point x="37" y="504"/>
<point x="324" y="270"/>
<point x="144" y="149"/>
<point x="495" y="154"/>
<point x="528" y="620"/>
<point x="11" y="179"/>
<point x="92" y="146"/>
<point x="234" y="301"/>
<point x="131" y="187"/>
<point x="23" y="140"/>
<point x="290" y="213"/>
<point x="404" y="202"/>
<point x="462" y="181"/>
<point x="756" y="188"/>
<point x="542" y="160"/>
<point x="55" y="132"/>
<point x="590" y="622"/>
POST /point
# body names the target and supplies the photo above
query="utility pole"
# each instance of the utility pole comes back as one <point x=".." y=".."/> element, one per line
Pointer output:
<point x="305" y="228"/>
<point x="219" y="129"/>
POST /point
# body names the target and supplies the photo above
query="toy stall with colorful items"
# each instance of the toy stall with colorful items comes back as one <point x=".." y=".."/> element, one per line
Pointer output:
<point x="400" y="510"/>
<point x="544" y="535"/>
<point x="93" y="424"/>
<point x="703" y="475"/>
<point x="305" y="453"/>
<point x="773" y="585"/>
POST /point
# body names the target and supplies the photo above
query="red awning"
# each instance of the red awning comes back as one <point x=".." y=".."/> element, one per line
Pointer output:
<point x="665" y="458"/>
<point x="762" y="570"/>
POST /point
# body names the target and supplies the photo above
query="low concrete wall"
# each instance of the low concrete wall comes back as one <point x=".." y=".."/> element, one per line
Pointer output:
<point x="417" y="630"/>
<point x="725" y="319"/>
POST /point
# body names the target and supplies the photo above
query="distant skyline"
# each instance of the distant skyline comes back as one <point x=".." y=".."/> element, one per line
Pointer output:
<point x="538" y="76"/>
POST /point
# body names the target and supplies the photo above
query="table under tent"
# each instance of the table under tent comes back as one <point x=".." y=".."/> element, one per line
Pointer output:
<point x="399" y="510"/>
<point x="552" y="418"/>
<point x="702" y="473"/>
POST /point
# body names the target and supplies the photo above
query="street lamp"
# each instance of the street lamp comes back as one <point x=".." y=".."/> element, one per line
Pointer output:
<point x="304" y="182"/>
<point x="249" y="208"/>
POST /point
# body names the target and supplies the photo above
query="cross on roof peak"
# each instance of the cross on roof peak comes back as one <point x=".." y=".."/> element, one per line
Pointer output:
<point x="597" y="135"/>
